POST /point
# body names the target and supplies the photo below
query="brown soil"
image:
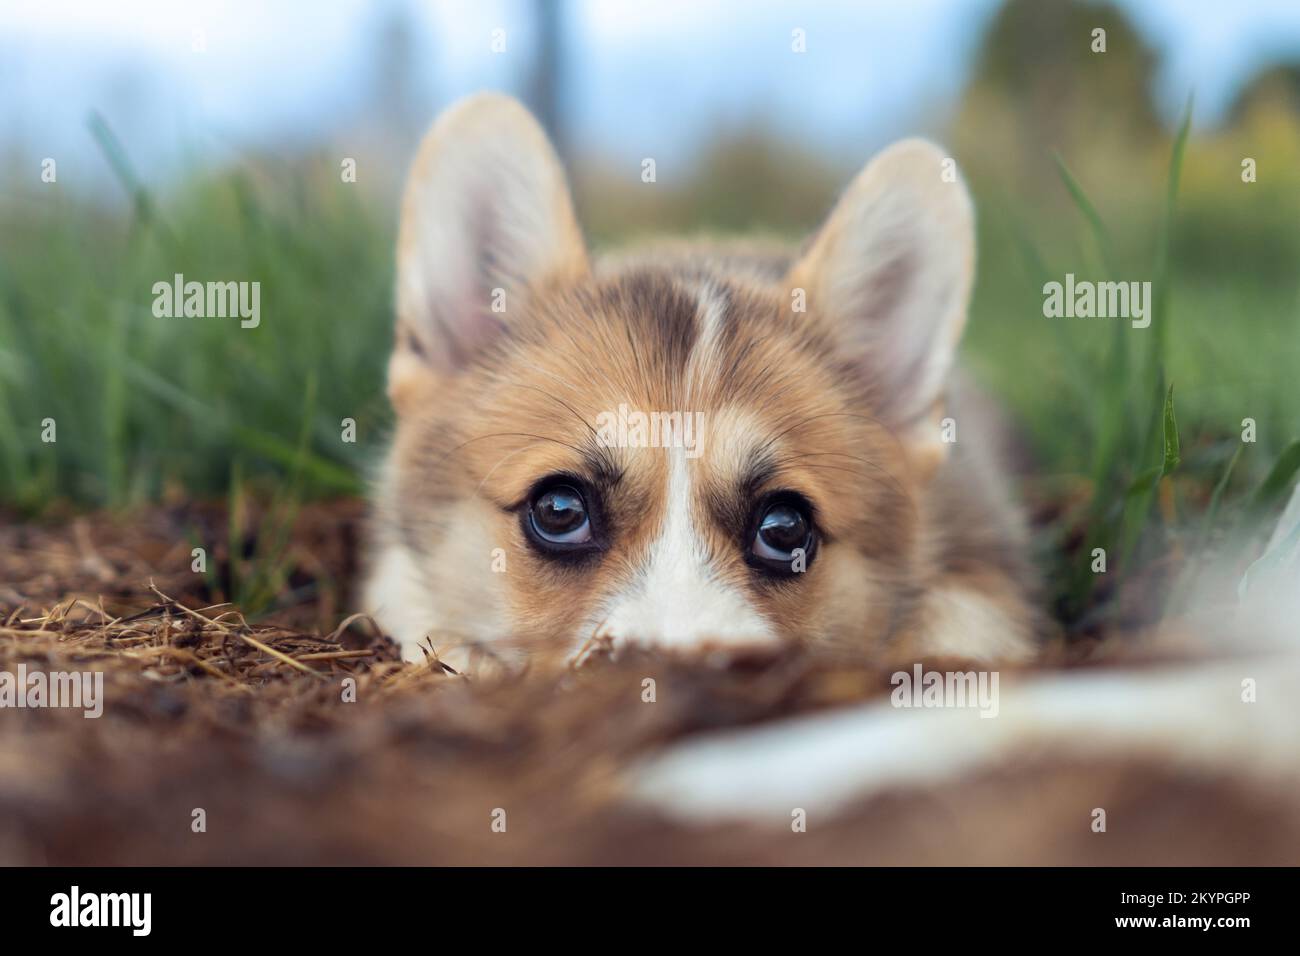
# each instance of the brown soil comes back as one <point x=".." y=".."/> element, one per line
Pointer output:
<point x="247" y="721"/>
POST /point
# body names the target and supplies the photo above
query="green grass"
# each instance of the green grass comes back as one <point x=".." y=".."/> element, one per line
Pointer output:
<point x="145" y="405"/>
<point x="151" y="408"/>
<point x="1099" y="398"/>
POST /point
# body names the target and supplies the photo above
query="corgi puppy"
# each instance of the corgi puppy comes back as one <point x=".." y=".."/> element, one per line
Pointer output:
<point x="691" y="447"/>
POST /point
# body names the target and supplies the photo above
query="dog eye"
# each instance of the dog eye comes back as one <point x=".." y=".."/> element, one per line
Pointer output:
<point x="782" y="527"/>
<point x="557" y="517"/>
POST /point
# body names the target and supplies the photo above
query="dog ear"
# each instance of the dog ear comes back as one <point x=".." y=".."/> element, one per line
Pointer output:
<point x="486" y="215"/>
<point x="891" y="270"/>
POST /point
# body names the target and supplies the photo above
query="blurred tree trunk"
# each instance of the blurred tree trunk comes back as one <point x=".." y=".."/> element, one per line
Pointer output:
<point x="546" y="87"/>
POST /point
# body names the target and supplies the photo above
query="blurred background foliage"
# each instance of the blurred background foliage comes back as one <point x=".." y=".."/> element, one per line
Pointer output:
<point x="150" y="409"/>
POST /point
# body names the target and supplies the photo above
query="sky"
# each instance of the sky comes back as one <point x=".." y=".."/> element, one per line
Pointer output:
<point x="207" y="81"/>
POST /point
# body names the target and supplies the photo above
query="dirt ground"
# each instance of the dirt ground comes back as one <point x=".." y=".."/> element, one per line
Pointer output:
<point x="252" y="723"/>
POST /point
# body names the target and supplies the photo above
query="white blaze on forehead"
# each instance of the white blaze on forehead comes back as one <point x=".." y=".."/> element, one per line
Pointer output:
<point x="711" y="310"/>
<point x="676" y="600"/>
<point x="713" y="307"/>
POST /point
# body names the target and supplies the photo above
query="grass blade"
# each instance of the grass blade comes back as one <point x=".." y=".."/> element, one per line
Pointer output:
<point x="1099" y="232"/>
<point x="1170" y="433"/>
<point x="145" y="209"/>
<point x="1160" y="307"/>
<point x="1278" y="481"/>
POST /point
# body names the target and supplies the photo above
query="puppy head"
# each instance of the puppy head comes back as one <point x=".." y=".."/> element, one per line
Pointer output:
<point x="661" y="455"/>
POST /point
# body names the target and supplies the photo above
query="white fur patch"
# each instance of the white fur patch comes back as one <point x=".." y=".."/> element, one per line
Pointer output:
<point x="676" y="601"/>
<point x="449" y="599"/>
<point x="712" y="309"/>
<point x="965" y="624"/>
<point x="397" y="600"/>
<point x="1192" y="716"/>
